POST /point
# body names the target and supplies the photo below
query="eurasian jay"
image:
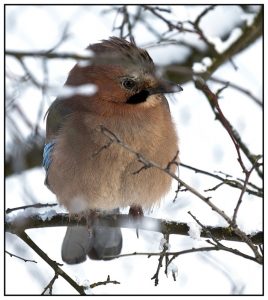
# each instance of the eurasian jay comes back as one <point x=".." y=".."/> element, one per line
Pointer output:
<point x="85" y="175"/>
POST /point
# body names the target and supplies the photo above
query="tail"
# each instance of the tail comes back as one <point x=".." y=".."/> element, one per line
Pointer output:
<point x="98" y="243"/>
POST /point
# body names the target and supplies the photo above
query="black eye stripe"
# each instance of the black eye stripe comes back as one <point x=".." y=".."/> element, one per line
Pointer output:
<point x="138" y="98"/>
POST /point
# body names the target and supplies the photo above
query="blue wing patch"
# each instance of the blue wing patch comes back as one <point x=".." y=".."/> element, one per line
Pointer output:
<point x="47" y="155"/>
<point x="47" y="158"/>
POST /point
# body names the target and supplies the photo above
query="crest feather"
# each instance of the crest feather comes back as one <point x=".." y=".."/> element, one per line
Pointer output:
<point x="119" y="51"/>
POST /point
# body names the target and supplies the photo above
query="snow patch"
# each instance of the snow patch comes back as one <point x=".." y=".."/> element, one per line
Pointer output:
<point x="69" y="91"/>
<point x="173" y="269"/>
<point x="86" y="286"/>
<point x="194" y="230"/>
<point x="221" y="46"/>
<point x="164" y="244"/>
<point x="199" y="67"/>
<point x="48" y="215"/>
<point x="249" y="18"/>
<point x="207" y="61"/>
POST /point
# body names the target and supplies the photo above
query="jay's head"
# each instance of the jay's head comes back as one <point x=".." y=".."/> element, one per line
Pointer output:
<point x="122" y="73"/>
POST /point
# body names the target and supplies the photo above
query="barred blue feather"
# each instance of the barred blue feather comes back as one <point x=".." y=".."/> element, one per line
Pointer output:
<point x="47" y="155"/>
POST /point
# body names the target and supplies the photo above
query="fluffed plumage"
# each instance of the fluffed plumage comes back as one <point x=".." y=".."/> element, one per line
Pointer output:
<point x="129" y="101"/>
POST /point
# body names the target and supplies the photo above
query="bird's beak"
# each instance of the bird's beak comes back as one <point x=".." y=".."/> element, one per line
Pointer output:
<point x="165" y="87"/>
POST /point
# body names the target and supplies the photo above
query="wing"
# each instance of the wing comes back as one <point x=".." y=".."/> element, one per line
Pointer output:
<point x="56" y="115"/>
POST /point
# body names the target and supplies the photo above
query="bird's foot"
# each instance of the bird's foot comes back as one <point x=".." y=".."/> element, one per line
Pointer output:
<point x="136" y="213"/>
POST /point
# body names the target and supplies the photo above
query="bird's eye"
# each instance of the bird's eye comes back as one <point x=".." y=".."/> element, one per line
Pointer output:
<point x="128" y="84"/>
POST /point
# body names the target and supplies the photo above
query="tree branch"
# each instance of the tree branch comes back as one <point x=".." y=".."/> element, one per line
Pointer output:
<point x="53" y="264"/>
<point x="256" y="191"/>
<point x="47" y="54"/>
<point x="19" y="257"/>
<point x="249" y="35"/>
<point x="108" y="280"/>
<point x="37" y="205"/>
<point x="50" y="285"/>
<point x="162" y="254"/>
<point x="15" y="224"/>
<point x="235" y="137"/>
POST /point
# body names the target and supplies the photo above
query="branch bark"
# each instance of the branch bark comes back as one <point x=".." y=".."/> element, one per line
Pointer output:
<point x="13" y="225"/>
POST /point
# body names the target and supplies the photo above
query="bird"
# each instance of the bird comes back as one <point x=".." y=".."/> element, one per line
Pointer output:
<point x="85" y="169"/>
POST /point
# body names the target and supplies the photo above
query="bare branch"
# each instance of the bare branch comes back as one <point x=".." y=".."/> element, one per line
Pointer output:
<point x="37" y="205"/>
<point x="107" y="281"/>
<point x="160" y="260"/>
<point x="126" y="23"/>
<point x="247" y="175"/>
<point x="171" y="26"/>
<point x="256" y="191"/>
<point x="15" y="224"/>
<point x="48" y="54"/>
<point x="199" y="31"/>
<point x="249" y="35"/>
<point x="50" y="285"/>
<point x="238" y="88"/>
<point x="175" y="254"/>
<point x="53" y="264"/>
<point x="19" y="257"/>
<point x="235" y="137"/>
<point x="203" y="13"/>
<point x="184" y="74"/>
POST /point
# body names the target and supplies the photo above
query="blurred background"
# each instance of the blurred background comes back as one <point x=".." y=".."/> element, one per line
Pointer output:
<point x="185" y="41"/>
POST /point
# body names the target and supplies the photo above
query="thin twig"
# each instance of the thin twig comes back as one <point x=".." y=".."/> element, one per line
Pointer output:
<point x="199" y="31"/>
<point x="231" y="182"/>
<point x="213" y="99"/>
<point x="160" y="260"/>
<point x="238" y="88"/>
<point x="239" y="145"/>
<point x="19" y="257"/>
<point x="205" y="229"/>
<point x="29" y="73"/>
<point x="203" y="13"/>
<point x="47" y="54"/>
<point x="37" y="205"/>
<point x="126" y="22"/>
<point x="247" y="175"/>
<point x="50" y="285"/>
<point x="107" y="281"/>
<point x="175" y="254"/>
<point x="171" y="26"/>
